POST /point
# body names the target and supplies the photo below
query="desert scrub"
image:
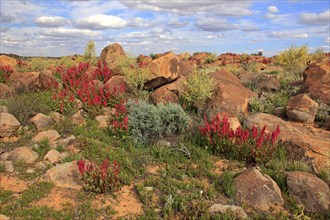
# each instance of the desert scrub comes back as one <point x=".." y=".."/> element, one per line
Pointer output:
<point x="251" y="67"/>
<point x="90" y="53"/>
<point x="294" y="61"/>
<point x="148" y="122"/>
<point x="5" y="71"/>
<point x="211" y="58"/>
<point x="199" y="87"/>
<point x="233" y="69"/>
<point x="323" y="113"/>
<point x="227" y="184"/>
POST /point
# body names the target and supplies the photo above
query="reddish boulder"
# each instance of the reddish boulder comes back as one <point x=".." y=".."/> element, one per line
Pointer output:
<point x="301" y="141"/>
<point x="6" y="60"/>
<point x="257" y="190"/>
<point x="112" y="55"/>
<point x="32" y="81"/>
<point x="309" y="190"/>
<point x="185" y="68"/>
<point x="163" y="95"/>
<point x="116" y="83"/>
<point x="317" y="80"/>
<point x="163" y="70"/>
<point x="267" y="83"/>
<point x="229" y="94"/>
<point x="301" y="108"/>
<point x="8" y="125"/>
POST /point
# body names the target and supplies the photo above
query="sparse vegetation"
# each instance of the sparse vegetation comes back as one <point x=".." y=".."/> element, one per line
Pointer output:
<point x="90" y="53"/>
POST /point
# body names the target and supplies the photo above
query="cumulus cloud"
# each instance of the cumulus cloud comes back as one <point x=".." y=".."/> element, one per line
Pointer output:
<point x="213" y="24"/>
<point x="141" y="22"/>
<point x="273" y="9"/>
<point x="227" y="7"/>
<point x="280" y="35"/>
<point x="327" y="40"/>
<point x="315" y="19"/>
<point x="51" y="21"/>
<point x="300" y="36"/>
<point x="69" y="32"/>
<point x="101" y="21"/>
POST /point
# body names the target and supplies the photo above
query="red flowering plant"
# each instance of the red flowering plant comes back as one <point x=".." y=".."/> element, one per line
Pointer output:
<point x="119" y="121"/>
<point x="99" y="178"/>
<point x="5" y="71"/>
<point x="254" y="146"/>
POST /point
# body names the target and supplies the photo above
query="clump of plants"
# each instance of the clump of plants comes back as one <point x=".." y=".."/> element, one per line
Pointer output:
<point x="119" y="121"/>
<point x="5" y="71"/>
<point x="99" y="178"/>
<point x="199" y="87"/>
<point x="252" y="146"/>
<point x="294" y="61"/>
<point x="90" y="53"/>
<point x="148" y="122"/>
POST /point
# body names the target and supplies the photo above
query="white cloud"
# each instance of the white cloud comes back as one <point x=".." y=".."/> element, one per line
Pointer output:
<point x="101" y="21"/>
<point x="51" y="21"/>
<point x="213" y="24"/>
<point x="273" y="9"/>
<point x="327" y="40"/>
<point x="271" y="16"/>
<point x="69" y="32"/>
<point x="300" y="36"/>
<point x="315" y="19"/>
<point x="227" y="7"/>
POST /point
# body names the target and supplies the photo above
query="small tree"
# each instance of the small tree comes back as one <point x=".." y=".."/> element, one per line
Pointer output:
<point x="90" y="53"/>
<point x="294" y="61"/>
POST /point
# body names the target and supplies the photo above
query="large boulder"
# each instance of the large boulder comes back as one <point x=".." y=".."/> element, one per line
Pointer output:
<point x="163" y="95"/>
<point x="309" y="190"/>
<point x="112" y="55"/>
<point x="267" y="83"/>
<point x="64" y="175"/>
<point x="116" y="83"/>
<point x="50" y="135"/>
<point x="31" y="81"/>
<point x="163" y="70"/>
<point x="24" y="154"/>
<point x="317" y="80"/>
<point x="8" y="125"/>
<point x="302" y="141"/>
<point x="229" y="94"/>
<point x="301" y="108"/>
<point x="186" y="68"/>
<point x="6" y="60"/>
<point x="257" y="190"/>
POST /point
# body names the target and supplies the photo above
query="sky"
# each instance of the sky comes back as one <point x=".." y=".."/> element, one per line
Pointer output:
<point x="64" y="27"/>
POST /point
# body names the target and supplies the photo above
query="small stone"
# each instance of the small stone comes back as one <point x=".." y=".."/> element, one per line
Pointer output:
<point x="78" y="118"/>
<point x="30" y="170"/>
<point x="4" y="156"/>
<point x="3" y="109"/>
<point x="41" y="165"/>
<point x="149" y="188"/>
<point x="57" y="117"/>
<point x="41" y="121"/>
<point x="65" y="141"/>
<point x="222" y="209"/>
<point x="3" y="217"/>
<point x="8" y="125"/>
<point x="9" y="166"/>
<point x="52" y="156"/>
<point x="50" y="135"/>
<point x="24" y="154"/>
<point x="103" y="120"/>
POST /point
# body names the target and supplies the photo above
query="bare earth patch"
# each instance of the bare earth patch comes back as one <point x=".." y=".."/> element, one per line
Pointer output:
<point x="58" y="199"/>
<point x="154" y="169"/>
<point x="13" y="183"/>
<point x="125" y="202"/>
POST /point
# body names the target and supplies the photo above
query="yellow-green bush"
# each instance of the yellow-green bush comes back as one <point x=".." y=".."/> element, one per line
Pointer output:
<point x="318" y="55"/>
<point x="90" y="53"/>
<point x="294" y="61"/>
<point x="199" y="87"/>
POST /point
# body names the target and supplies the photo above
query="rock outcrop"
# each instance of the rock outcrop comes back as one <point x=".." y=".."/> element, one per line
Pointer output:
<point x="112" y="55"/>
<point x="301" y="108"/>
<point x="8" y="125"/>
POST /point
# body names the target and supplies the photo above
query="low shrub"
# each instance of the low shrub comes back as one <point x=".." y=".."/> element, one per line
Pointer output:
<point x="149" y="122"/>
<point x="99" y="178"/>
<point x="227" y="183"/>
<point x="5" y="71"/>
<point x="251" y="67"/>
<point x="233" y="69"/>
<point x="199" y="87"/>
<point x="252" y="146"/>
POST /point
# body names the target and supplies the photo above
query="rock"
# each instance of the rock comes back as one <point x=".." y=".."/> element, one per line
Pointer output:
<point x="8" y="125"/>
<point x="301" y="108"/>
<point x="257" y="190"/>
<point x="143" y="59"/>
<point x="64" y="175"/>
<point x="4" y="156"/>
<point x="3" y="109"/>
<point x="24" y="154"/>
<point x="317" y="80"/>
<point x="64" y="142"/>
<point x="5" y="91"/>
<point x="184" y="56"/>
<point x="3" y="217"/>
<point x="185" y="68"/>
<point x="163" y="70"/>
<point x="53" y="156"/>
<point x="103" y="120"/>
<point x="229" y="94"/>
<point x="112" y="55"/>
<point x="57" y="117"/>
<point x="78" y="118"/>
<point x="41" y="121"/>
<point x="9" y="166"/>
<point x="116" y="83"/>
<point x="32" y="81"/>
<point x="30" y="170"/>
<point x="6" y="60"/>
<point x="200" y="57"/>
<point x="237" y="211"/>
<point x="50" y="135"/>
<point x="267" y="83"/>
<point x="163" y="95"/>
<point x="301" y="141"/>
<point x="309" y="190"/>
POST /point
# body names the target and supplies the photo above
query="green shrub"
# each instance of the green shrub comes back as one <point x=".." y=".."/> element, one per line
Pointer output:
<point x="322" y="114"/>
<point x="233" y="69"/>
<point x="43" y="148"/>
<point x="227" y="183"/>
<point x="294" y="61"/>
<point x="199" y="87"/>
<point x="149" y="122"/>
<point x="90" y="53"/>
<point x="251" y="67"/>
<point x="211" y="58"/>
<point x="318" y="55"/>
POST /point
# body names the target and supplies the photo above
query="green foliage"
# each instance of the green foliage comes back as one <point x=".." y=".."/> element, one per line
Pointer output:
<point x="251" y="67"/>
<point x="244" y="57"/>
<point x="90" y="53"/>
<point x="294" y="61"/>
<point x="2" y="167"/>
<point x="317" y="56"/>
<point x="199" y="87"/>
<point x="323" y="112"/>
<point x="34" y="192"/>
<point x="24" y="106"/>
<point x="149" y="122"/>
<point x="233" y="69"/>
<point x="227" y="183"/>
<point x="36" y="64"/>
<point x="68" y="62"/>
<point x="211" y="58"/>
<point x="43" y="148"/>
<point x="153" y="56"/>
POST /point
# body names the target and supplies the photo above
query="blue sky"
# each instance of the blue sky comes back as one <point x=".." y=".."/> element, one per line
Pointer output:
<point x="63" y="27"/>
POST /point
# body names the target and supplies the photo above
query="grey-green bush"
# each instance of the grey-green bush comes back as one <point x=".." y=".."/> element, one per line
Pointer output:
<point x="149" y="122"/>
